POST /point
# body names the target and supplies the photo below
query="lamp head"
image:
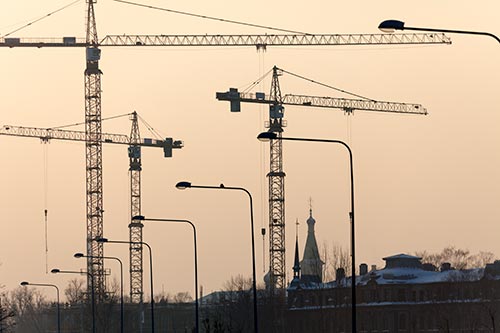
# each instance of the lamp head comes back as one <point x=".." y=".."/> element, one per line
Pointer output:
<point x="183" y="185"/>
<point x="101" y="240"/>
<point x="25" y="283"/>
<point x="78" y="255"/>
<point x="55" y="270"/>
<point x="266" y="136"/>
<point x="391" y="25"/>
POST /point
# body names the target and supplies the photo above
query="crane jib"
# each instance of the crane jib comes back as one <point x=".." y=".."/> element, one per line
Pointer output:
<point x="346" y="104"/>
<point x="259" y="41"/>
<point x="47" y="134"/>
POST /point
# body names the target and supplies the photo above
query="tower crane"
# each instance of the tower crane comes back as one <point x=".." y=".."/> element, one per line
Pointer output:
<point x="135" y="143"/>
<point x="276" y="175"/>
<point x="93" y="131"/>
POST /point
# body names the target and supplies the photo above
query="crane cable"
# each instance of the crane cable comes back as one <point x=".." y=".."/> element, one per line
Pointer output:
<point x="40" y="18"/>
<point x="46" y="195"/>
<point x="259" y="80"/>
<point x="210" y="17"/>
<point x="262" y="159"/>
<point x="83" y="123"/>
<point x="326" y="85"/>
<point x="151" y="129"/>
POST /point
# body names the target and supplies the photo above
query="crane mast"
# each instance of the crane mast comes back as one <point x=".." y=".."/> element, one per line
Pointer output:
<point x="276" y="175"/>
<point x="135" y="144"/>
<point x="93" y="145"/>
<point x="276" y="179"/>
<point x="135" y="226"/>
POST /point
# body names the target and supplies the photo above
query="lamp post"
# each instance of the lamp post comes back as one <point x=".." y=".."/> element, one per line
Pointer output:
<point x="142" y="218"/>
<point x="392" y="25"/>
<point x="26" y="283"/>
<point x="105" y="240"/>
<point x="81" y="255"/>
<point x="266" y="136"/>
<point x="183" y="185"/>
<point x="91" y="276"/>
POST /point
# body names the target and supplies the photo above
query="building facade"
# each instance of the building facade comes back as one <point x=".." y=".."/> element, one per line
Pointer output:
<point x="404" y="296"/>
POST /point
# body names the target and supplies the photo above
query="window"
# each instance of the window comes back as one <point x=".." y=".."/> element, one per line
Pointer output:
<point x="422" y="322"/>
<point x="402" y="322"/>
<point x="401" y="295"/>
<point x="387" y="295"/>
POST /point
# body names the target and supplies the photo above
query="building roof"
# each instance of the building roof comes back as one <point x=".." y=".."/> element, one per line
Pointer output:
<point x="401" y="256"/>
<point x="406" y="269"/>
<point x="404" y="275"/>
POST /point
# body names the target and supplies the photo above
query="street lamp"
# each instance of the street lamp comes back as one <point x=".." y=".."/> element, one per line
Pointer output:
<point x="91" y="276"/>
<point x="142" y="218"/>
<point x="184" y="185"/>
<point x="81" y="255"/>
<point x="266" y="136"/>
<point x="392" y="25"/>
<point x="26" y="283"/>
<point x="105" y="240"/>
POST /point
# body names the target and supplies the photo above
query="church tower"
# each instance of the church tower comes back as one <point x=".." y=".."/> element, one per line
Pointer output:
<point x="311" y="265"/>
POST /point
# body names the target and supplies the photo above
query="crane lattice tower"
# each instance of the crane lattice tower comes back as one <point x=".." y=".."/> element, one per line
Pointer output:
<point x="276" y="175"/>
<point x="93" y="144"/>
<point x="93" y="131"/>
<point x="135" y="168"/>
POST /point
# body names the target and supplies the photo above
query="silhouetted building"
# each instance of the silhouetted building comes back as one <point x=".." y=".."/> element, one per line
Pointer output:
<point x="404" y="296"/>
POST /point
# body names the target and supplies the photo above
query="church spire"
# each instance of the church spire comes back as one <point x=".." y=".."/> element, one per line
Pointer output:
<point x="311" y="265"/>
<point x="296" y="263"/>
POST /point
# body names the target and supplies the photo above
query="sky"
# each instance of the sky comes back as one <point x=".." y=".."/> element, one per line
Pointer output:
<point x="421" y="182"/>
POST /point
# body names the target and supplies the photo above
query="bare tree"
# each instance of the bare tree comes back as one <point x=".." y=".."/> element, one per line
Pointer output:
<point x="232" y="310"/>
<point x="481" y="259"/>
<point x="23" y="300"/>
<point x="182" y="297"/>
<point x="75" y="291"/>
<point x="107" y="312"/>
<point x="163" y="297"/>
<point x="27" y="305"/>
<point x="6" y="316"/>
<point x="334" y="256"/>
<point x="237" y="283"/>
<point x="458" y="258"/>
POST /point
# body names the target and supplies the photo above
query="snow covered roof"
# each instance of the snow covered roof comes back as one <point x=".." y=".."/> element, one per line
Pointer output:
<point x="406" y="269"/>
<point x="401" y="256"/>
<point x="404" y="275"/>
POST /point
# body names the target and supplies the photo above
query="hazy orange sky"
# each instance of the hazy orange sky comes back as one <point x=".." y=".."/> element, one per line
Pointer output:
<point x="422" y="182"/>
